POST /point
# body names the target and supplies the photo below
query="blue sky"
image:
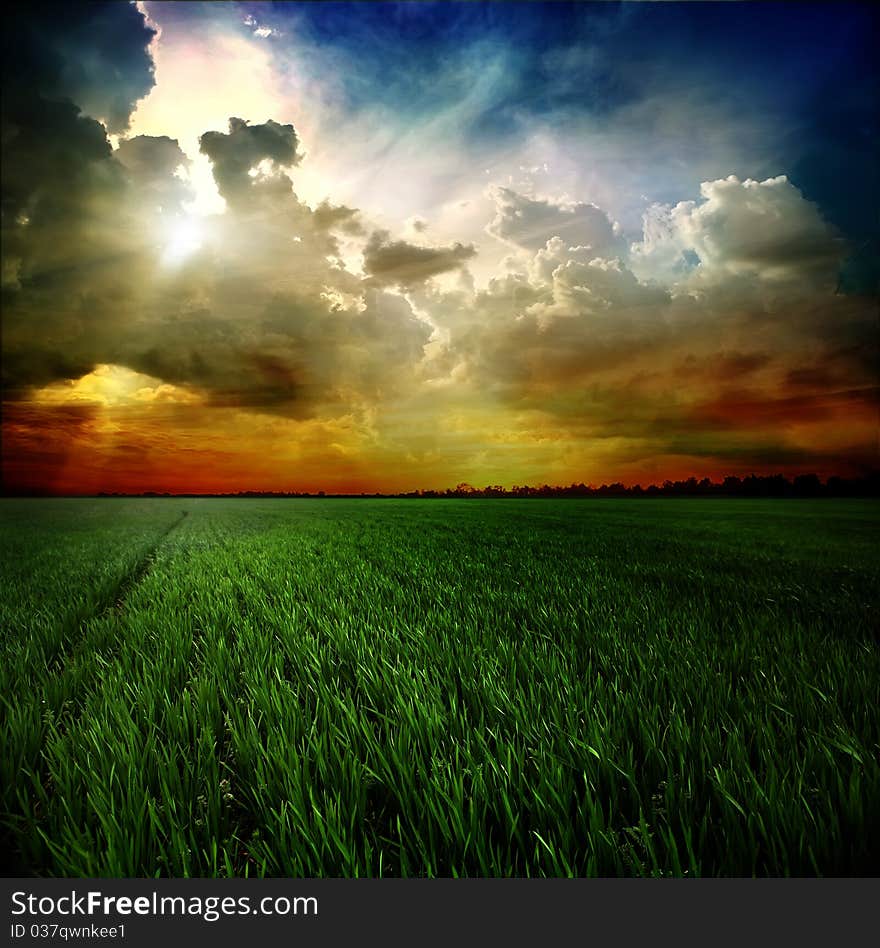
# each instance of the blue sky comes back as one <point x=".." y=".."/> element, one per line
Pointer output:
<point x="628" y="104"/>
<point x="798" y="78"/>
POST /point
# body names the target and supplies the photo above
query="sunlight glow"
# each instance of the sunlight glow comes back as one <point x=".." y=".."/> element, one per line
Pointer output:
<point x="114" y="386"/>
<point x="183" y="236"/>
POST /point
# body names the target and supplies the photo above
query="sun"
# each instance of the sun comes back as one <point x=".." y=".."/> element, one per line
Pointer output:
<point x="182" y="236"/>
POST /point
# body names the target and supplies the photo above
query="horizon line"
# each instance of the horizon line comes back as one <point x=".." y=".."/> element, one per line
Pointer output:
<point x="778" y="484"/>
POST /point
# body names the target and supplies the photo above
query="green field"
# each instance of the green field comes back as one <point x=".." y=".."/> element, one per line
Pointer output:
<point x="466" y="687"/>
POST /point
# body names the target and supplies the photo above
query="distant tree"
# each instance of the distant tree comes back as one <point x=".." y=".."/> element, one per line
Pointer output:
<point x="807" y="485"/>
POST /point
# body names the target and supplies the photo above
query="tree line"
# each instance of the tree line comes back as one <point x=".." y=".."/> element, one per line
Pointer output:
<point x="753" y="485"/>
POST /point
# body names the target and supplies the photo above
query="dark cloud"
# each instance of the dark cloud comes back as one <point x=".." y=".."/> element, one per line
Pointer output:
<point x="63" y="197"/>
<point x="746" y="409"/>
<point x="389" y="262"/>
<point x="281" y="352"/>
<point x="813" y="376"/>
<point x="235" y="153"/>
<point x="63" y="194"/>
<point x="726" y="366"/>
<point x="754" y="452"/>
<point x="54" y="161"/>
<point x="338" y="217"/>
<point x="92" y="54"/>
<point x="151" y="163"/>
<point x="151" y="158"/>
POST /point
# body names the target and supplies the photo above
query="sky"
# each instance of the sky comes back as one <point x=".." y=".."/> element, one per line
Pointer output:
<point x="360" y="247"/>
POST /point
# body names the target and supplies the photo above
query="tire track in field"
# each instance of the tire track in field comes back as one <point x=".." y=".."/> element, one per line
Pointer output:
<point x="137" y="574"/>
<point x="66" y="677"/>
<point x="110" y="602"/>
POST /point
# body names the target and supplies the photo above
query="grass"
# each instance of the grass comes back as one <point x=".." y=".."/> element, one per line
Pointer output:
<point x="449" y="688"/>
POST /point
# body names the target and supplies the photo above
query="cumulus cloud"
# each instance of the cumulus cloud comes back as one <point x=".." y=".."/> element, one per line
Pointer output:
<point x="595" y="288"/>
<point x="95" y="55"/>
<point x="234" y="154"/>
<point x="390" y="262"/>
<point x="764" y="229"/>
<point x="246" y="318"/>
<point x="328" y="216"/>
<point x="54" y="160"/>
<point x="542" y="345"/>
<point x="585" y="282"/>
<point x="756" y="226"/>
<point x="260" y="315"/>
<point x="62" y="210"/>
<point x="152" y="163"/>
<point x="603" y="348"/>
<point x="528" y="223"/>
<point x="151" y="158"/>
<point x="63" y="193"/>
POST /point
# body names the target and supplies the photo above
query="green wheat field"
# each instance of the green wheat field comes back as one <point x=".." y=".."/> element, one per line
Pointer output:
<point x="229" y="687"/>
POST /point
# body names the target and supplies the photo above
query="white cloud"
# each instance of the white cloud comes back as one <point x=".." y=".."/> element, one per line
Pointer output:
<point x="756" y="229"/>
<point x="599" y="287"/>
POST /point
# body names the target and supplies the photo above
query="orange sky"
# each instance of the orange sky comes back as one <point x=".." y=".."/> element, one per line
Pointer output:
<point x="117" y="431"/>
